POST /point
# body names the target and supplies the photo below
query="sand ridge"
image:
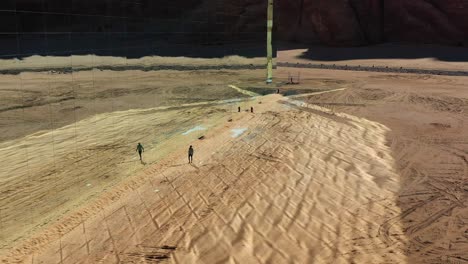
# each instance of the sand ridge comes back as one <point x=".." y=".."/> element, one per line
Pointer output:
<point x="429" y="143"/>
<point x="304" y="179"/>
<point x="264" y="196"/>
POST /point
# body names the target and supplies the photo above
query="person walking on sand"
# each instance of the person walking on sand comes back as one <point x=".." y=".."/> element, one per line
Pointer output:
<point x="190" y="154"/>
<point x="140" y="149"/>
<point x="238" y="109"/>
<point x="251" y="109"/>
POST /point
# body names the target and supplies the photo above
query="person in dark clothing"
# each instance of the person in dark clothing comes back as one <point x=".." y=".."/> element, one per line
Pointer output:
<point x="140" y="149"/>
<point x="190" y="154"/>
<point x="238" y="109"/>
<point x="251" y="109"/>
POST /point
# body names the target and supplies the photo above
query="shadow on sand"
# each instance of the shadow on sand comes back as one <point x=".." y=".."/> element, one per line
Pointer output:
<point x="130" y="45"/>
<point x="383" y="51"/>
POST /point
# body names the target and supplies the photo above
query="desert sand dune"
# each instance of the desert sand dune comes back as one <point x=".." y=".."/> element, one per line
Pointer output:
<point x="428" y="138"/>
<point x="295" y="186"/>
<point x="66" y="167"/>
<point x="60" y="153"/>
<point x="372" y="172"/>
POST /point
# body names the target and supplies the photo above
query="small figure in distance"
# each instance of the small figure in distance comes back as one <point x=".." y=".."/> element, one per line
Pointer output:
<point x="238" y="109"/>
<point x="251" y="109"/>
<point x="140" y="149"/>
<point x="190" y="154"/>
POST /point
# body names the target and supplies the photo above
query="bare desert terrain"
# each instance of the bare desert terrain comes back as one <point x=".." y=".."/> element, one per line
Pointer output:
<point x="65" y="135"/>
<point x="345" y="167"/>
<point x="427" y="118"/>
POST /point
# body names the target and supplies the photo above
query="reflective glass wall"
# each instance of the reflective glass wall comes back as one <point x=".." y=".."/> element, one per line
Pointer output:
<point x="83" y="81"/>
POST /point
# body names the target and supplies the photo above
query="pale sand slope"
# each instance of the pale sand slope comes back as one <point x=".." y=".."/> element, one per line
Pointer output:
<point x="428" y="119"/>
<point x="299" y="185"/>
<point x="50" y="173"/>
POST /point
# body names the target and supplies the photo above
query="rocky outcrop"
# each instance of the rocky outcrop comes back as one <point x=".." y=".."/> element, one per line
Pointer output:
<point x="361" y="22"/>
<point x="136" y="23"/>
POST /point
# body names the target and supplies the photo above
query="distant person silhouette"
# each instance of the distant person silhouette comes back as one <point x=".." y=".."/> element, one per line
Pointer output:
<point x="190" y="154"/>
<point x="251" y="109"/>
<point x="140" y="149"/>
<point x="238" y="109"/>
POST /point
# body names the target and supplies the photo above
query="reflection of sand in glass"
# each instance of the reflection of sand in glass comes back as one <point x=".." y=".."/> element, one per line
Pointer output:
<point x="82" y="89"/>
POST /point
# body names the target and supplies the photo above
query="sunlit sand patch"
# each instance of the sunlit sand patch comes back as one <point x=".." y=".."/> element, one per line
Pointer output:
<point x="233" y="100"/>
<point x="236" y="132"/>
<point x="197" y="128"/>
<point x="312" y="185"/>
<point x="248" y="93"/>
<point x="100" y="148"/>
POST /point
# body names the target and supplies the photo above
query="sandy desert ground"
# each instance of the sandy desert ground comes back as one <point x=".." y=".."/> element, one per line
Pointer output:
<point x="372" y="169"/>
<point x="34" y="101"/>
<point x="64" y="136"/>
<point x="428" y="122"/>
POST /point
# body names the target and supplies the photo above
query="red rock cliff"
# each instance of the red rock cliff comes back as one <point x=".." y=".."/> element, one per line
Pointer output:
<point x="330" y="22"/>
<point x="360" y="22"/>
